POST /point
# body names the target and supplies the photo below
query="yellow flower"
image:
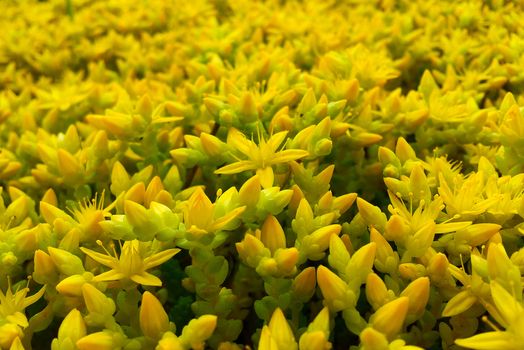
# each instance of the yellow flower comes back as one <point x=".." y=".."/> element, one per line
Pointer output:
<point x="197" y="331"/>
<point x="104" y="340"/>
<point x="135" y="258"/>
<point x="12" y="306"/>
<point x="510" y="314"/>
<point x="100" y="307"/>
<point x="265" y="250"/>
<point x="154" y="321"/>
<point x="9" y="332"/>
<point x="89" y="213"/>
<point x="317" y="333"/>
<point x="261" y="157"/>
<point x="170" y="341"/>
<point x="389" y="318"/>
<point x="416" y="229"/>
<point x="71" y="330"/>
<point x="465" y="197"/>
<point x="371" y="339"/>
<point x="199" y="214"/>
<point x="337" y="295"/>
<point x="278" y="334"/>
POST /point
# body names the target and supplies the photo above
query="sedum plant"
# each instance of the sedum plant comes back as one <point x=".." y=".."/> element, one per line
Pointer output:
<point x="261" y="175"/>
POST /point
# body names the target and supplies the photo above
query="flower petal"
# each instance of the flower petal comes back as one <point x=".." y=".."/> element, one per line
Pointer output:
<point x="276" y="140"/>
<point x="159" y="258"/>
<point x="111" y="275"/>
<point x="146" y="279"/>
<point x="226" y="219"/>
<point x="103" y="259"/>
<point x="289" y="155"/>
<point x="33" y="298"/>
<point x="238" y="141"/>
<point x="489" y="341"/>
<point x="236" y="167"/>
<point x="506" y="304"/>
<point x="267" y="177"/>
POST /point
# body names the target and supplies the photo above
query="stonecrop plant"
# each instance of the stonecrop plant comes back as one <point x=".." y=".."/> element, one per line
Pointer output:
<point x="271" y="175"/>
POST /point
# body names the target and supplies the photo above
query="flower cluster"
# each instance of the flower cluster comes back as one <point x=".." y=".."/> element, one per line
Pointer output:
<point x="272" y="175"/>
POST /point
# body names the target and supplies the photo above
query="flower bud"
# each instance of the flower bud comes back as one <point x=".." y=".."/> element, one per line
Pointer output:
<point x="96" y="301"/>
<point x="334" y="289"/>
<point x="376" y="291"/>
<point x="477" y="234"/>
<point x="304" y="284"/>
<point x="272" y="234"/>
<point x="72" y="327"/>
<point x="351" y="89"/>
<point x="136" y="214"/>
<point x="249" y="193"/>
<point x="372" y="339"/>
<point x="136" y="193"/>
<point x="286" y="260"/>
<point x="461" y="302"/>
<point x="308" y="101"/>
<point x="396" y="229"/>
<point x="267" y="267"/>
<point x="418" y="295"/>
<point x="67" y="263"/>
<point x="170" y="341"/>
<point x="364" y="139"/>
<point x="212" y="145"/>
<point x="389" y="319"/>
<point x="72" y="285"/>
<point x="248" y="108"/>
<point x="44" y="270"/>
<point x="50" y="213"/>
<point x="422" y="239"/>
<point x="267" y="342"/>
<point x="70" y="168"/>
<point x="323" y="147"/>
<point x="153" y="189"/>
<point x="50" y="197"/>
<point x="338" y="253"/>
<point x="344" y="202"/>
<point x="386" y="260"/>
<point x="198" y="331"/>
<point x="154" y="321"/>
<point x="371" y="214"/>
<point x="120" y="180"/>
<point x="251" y="250"/>
<point x="314" y="341"/>
<point x="318" y="241"/>
<point x="281" y="331"/>
<point x="411" y="271"/>
<point x="361" y="264"/>
<point x="404" y="151"/>
<point x="104" y="340"/>
<point x="214" y="106"/>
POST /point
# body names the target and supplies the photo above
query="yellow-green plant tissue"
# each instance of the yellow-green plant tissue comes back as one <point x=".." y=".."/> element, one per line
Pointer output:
<point x="261" y="174"/>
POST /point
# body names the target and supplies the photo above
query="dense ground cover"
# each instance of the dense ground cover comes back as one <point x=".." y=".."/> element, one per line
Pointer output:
<point x="268" y="174"/>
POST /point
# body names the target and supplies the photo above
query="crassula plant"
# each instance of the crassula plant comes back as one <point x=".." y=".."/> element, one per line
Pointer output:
<point x="270" y="175"/>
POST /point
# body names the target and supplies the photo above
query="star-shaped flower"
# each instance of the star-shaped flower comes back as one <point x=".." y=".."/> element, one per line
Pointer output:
<point x="135" y="258"/>
<point x="510" y="314"/>
<point x="261" y="156"/>
<point x="200" y="214"/>
<point x="12" y="306"/>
